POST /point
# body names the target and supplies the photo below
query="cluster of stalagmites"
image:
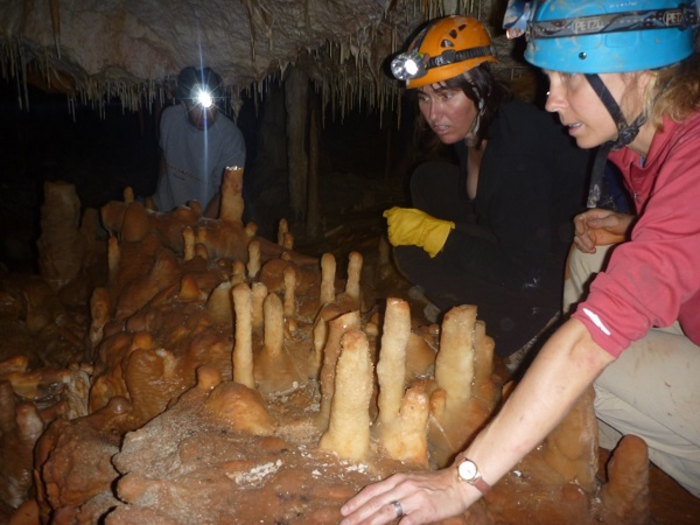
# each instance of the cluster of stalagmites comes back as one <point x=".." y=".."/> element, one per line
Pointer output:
<point x="223" y="378"/>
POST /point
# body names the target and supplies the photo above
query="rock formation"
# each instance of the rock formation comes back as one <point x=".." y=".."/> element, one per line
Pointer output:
<point x="194" y="386"/>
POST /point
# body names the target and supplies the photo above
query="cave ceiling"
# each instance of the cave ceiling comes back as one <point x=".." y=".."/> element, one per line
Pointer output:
<point x="94" y="50"/>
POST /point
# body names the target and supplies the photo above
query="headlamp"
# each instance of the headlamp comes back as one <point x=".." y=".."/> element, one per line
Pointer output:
<point x="408" y="66"/>
<point x="416" y="65"/>
<point x="204" y="99"/>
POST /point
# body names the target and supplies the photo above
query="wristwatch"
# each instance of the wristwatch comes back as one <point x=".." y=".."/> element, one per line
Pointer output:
<point x="469" y="472"/>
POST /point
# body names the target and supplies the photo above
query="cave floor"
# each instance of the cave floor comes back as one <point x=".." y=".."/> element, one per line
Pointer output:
<point x="350" y="221"/>
<point x="362" y="229"/>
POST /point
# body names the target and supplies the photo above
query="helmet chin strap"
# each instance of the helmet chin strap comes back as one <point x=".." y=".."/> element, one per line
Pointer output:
<point x="472" y="137"/>
<point x="626" y="133"/>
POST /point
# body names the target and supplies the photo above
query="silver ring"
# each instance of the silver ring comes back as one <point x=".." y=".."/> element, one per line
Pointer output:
<point x="397" y="508"/>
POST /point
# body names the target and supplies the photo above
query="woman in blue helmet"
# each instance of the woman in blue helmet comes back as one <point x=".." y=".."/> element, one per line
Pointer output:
<point x="625" y="76"/>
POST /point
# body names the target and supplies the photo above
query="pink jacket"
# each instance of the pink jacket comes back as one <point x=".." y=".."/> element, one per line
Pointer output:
<point x="654" y="279"/>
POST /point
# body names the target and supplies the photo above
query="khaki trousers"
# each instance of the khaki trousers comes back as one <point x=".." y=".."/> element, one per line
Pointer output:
<point x="652" y="390"/>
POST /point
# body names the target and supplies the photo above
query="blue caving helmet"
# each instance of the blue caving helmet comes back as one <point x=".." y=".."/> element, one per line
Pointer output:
<point x="591" y="37"/>
<point x="594" y="36"/>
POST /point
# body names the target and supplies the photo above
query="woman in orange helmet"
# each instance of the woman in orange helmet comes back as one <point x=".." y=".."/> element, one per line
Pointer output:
<point x="494" y="230"/>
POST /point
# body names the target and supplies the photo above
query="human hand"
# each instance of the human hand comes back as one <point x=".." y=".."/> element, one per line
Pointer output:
<point x="423" y="497"/>
<point x="413" y="227"/>
<point x="598" y="227"/>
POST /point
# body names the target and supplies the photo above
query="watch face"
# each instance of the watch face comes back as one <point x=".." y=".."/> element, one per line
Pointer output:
<point x="467" y="470"/>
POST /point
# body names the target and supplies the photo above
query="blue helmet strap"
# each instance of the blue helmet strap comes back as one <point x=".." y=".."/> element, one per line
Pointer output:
<point x="626" y="132"/>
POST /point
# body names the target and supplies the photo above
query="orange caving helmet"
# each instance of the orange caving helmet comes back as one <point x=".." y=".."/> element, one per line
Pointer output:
<point x="446" y="48"/>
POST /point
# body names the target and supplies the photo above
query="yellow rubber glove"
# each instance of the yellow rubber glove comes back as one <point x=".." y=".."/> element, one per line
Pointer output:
<point x="413" y="227"/>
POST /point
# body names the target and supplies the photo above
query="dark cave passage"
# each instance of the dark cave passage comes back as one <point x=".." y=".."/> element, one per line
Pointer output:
<point x="363" y="162"/>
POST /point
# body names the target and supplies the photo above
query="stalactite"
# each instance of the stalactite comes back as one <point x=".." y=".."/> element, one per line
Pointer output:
<point x="348" y="86"/>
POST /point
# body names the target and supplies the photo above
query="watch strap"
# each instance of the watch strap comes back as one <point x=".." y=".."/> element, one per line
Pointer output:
<point x="481" y="485"/>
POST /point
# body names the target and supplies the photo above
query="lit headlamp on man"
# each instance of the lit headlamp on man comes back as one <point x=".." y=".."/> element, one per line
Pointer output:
<point x="204" y="98"/>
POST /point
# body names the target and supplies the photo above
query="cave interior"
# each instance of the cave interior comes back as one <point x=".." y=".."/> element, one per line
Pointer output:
<point x="81" y="92"/>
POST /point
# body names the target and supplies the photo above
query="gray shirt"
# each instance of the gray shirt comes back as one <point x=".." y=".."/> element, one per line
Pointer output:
<point x="195" y="159"/>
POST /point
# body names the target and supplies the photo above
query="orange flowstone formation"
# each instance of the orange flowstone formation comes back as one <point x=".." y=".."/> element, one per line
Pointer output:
<point x="212" y="376"/>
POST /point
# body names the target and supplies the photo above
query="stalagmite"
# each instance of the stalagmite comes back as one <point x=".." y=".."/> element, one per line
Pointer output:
<point x="385" y="265"/>
<point x="20" y="436"/>
<point x="152" y="379"/>
<point x="259" y="295"/>
<point x="625" y="497"/>
<point x="136" y="225"/>
<point x="484" y="347"/>
<point x="282" y="230"/>
<point x="195" y="207"/>
<point x="348" y="432"/>
<point x="237" y="272"/>
<point x="274" y="368"/>
<point x="242" y="359"/>
<point x="336" y="328"/>
<point x="188" y="242"/>
<point x="352" y="286"/>
<point x="290" y="281"/>
<point x="232" y="204"/>
<point x="219" y="304"/>
<point x="454" y="364"/>
<point x="241" y="408"/>
<point x="571" y="447"/>
<point x="61" y="247"/>
<point x="484" y="387"/>
<point x="251" y="230"/>
<point x="113" y="257"/>
<point x="327" y="294"/>
<point x="142" y="340"/>
<point x="128" y="195"/>
<point x="319" y="334"/>
<point x="189" y="291"/>
<point x="405" y="438"/>
<point x="391" y="369"/>
<point x="288" y="241"/>
<point x="458" y="406"/>
<point x="100" y="309"/>
<point x="150" y="203"/>
<point x="200" y="235"/>
<point x="420" y="356"/>
<point x="200" y="250"/>
<point x="253" y="265"/>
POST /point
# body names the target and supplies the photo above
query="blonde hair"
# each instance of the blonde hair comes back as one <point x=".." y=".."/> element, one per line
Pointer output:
<point x="674" y="92"/>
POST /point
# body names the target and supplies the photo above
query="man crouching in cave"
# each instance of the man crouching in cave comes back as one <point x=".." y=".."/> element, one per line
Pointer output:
<point x="198" y="142"/>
